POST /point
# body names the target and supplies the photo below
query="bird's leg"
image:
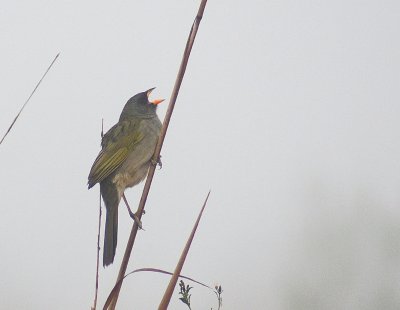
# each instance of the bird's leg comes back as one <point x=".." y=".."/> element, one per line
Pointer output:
<point x="157" y="162"/>
<point x="131" y="214"/>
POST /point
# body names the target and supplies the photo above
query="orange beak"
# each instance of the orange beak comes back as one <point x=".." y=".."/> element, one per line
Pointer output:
<point x="157" y="101"/>
<point x="154" y="101"/>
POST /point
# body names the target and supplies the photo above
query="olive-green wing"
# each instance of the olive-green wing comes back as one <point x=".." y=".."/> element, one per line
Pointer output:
<point x="117" y="144"/>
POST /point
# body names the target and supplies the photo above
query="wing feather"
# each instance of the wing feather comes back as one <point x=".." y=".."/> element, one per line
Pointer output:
<point x="117" y="144"/>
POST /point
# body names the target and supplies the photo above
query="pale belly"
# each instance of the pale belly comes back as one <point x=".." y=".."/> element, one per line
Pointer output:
<point x="128" y="179"/>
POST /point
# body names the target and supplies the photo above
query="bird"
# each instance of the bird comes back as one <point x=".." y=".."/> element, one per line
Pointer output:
<point x="124" y="160"/>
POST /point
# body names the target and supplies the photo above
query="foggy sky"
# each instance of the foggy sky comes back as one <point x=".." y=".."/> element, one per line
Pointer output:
<point x="289" y="113"/>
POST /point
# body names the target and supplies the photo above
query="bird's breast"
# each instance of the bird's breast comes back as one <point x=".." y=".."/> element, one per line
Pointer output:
<point x="135" y="167"/>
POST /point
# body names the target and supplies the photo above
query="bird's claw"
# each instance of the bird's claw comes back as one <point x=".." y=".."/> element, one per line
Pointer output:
<point x="133" y="215"/>
<point x="136" y="219"/>
<point x="157" y="162"/>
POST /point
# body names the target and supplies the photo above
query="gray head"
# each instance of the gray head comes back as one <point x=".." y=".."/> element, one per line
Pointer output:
<point x="140" y="105"/>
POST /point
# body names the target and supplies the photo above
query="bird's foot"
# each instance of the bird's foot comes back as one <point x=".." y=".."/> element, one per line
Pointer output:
<point x="157" y="162"/>
<point x="136" y="219"/>
<point x="134" y="216"/>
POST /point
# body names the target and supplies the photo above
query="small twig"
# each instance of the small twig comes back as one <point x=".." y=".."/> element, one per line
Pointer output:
<point x="172" y="283"/>
<point x="146" y="189"/>
<point x="98" y="238"/>
<point x="218" y="292"/>
<point x="37" y="85"/>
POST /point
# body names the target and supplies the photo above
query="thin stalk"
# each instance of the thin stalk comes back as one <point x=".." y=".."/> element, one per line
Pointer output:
<point x="172" y="283"/>
<point x="159" y="271"/>
<point x="98" y="239"/>
<point x="29" y="98"/>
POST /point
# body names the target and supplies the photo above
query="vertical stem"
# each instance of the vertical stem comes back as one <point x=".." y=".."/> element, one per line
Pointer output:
<point x="98" y="239"/>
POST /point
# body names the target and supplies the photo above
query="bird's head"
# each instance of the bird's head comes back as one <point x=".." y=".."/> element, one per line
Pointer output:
<point x="140" y="105"/>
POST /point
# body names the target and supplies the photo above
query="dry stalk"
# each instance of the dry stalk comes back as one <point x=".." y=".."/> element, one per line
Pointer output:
<point x="29" y="98"/>
<point x="146" y="189"/>
<point x="172" y="283"/>
<point x="98" y="239"/>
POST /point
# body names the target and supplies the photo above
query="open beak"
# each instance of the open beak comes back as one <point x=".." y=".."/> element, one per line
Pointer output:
<point x="154" y="101"/>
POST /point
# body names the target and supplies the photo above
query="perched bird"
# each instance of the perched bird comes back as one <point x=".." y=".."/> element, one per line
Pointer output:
<point x="124" y="160"/>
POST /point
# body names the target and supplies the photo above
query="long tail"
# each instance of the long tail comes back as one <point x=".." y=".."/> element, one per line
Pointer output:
<point x="110" y="236"/>
<point x="111" y="200"/>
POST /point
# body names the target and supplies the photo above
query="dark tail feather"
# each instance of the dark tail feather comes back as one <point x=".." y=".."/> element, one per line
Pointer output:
<point x="110" y="236"/>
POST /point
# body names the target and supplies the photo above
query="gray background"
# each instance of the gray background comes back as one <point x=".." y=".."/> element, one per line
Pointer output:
<point x="289" y="112"/>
